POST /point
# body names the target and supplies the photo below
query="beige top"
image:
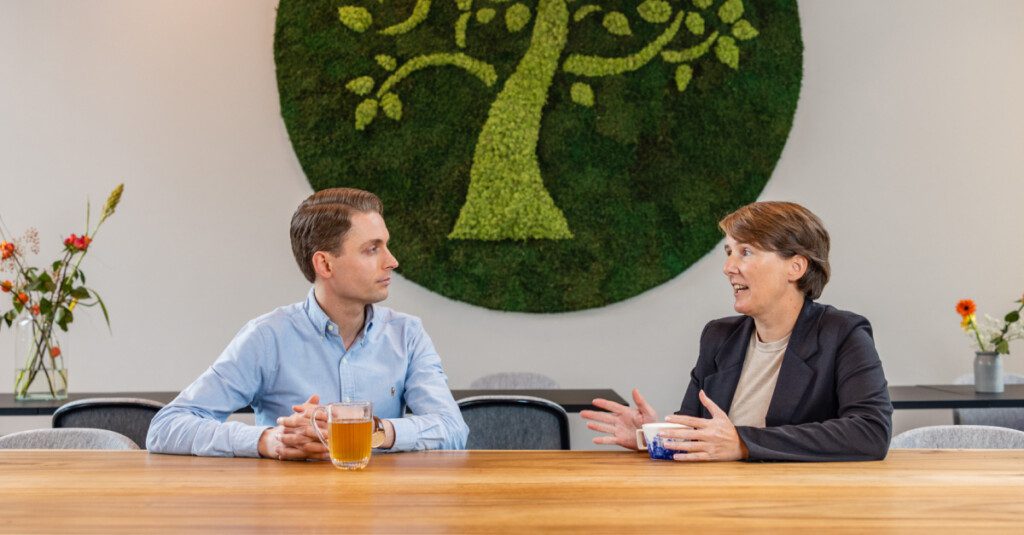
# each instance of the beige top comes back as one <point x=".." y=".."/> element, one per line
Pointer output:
<point x="757" y="381"/>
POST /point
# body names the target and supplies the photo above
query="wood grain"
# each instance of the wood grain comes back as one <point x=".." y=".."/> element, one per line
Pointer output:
<point x="507" y="491"/>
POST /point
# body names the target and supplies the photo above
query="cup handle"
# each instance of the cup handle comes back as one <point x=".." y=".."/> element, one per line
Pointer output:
<point x="316" y="428"/>
<point x="641" y="444"/>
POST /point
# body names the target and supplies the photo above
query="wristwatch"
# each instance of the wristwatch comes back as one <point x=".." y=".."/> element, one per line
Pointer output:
<point x="377" y="437"/>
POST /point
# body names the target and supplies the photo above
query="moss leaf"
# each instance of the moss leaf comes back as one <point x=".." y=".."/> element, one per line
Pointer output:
<point x="517" y="17"/>
<point x="356" y="18"/>
<point x="582" y="94"/>
<point x="366" y="112"/>
<point x="360" y="86"/>
<point x="743" y="30"/>
<point x="388" y="63"/>
<point x="730" y="11"/>
<point x="695" y="23"/>
<point x="684" y="73"/>
<point x="617" y="24"/>
<point x="727" y="52"/>
<point x="485" y="15"/>
<point x="392" y="106"/>
<point x="655" y="11"/>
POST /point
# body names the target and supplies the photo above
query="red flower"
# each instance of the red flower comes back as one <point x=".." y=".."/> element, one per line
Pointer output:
<point x="35" y="310"/>
<point x="54" y="352"/>
<point x="23" y="297"/>
<point x="965" y="308"/>
<point x="6" y="250"/>
<point x="6" y="286"/>
<point x="75" y="241"/>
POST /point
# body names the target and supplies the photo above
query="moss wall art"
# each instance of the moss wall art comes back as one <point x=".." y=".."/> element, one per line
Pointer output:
<point x="547" y="156"/>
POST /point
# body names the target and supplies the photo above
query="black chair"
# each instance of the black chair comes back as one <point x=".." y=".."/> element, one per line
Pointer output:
<point x="128" y="416"/>
<point x="504" y="422"/>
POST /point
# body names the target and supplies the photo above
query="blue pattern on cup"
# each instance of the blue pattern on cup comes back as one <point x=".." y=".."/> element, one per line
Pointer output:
<point x="659" y="451"/>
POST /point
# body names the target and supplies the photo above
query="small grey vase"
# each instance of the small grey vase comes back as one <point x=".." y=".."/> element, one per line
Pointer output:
<point x="988" y="372"/>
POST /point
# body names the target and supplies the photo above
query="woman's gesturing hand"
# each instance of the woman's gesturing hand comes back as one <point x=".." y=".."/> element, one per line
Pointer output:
<point x="620" y="423"/>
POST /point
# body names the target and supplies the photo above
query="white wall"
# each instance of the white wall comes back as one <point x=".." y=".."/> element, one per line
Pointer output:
<point x="908" y="142"/>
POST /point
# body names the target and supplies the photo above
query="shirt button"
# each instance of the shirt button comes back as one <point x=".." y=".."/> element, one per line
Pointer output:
<point x="330" y="327"/>
<point x="344" y="359"/>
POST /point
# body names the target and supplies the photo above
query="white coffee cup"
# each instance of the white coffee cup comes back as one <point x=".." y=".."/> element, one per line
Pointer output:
<point x="647" y="438"/>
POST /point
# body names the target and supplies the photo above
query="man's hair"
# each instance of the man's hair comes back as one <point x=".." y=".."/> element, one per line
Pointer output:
<point x="321" y="222"/>
<point x="787" y="229"/>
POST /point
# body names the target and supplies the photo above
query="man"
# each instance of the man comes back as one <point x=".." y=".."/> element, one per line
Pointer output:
<point x="337" y="345"/>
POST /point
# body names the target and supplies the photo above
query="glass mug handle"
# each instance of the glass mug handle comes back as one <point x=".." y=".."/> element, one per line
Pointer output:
<point x="316" y="428"/>
<point x="641" y="442"/>
<point x="376" y="437"/>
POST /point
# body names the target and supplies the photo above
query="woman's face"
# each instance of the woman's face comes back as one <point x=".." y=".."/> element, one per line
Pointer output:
<point x="761" y="280"/>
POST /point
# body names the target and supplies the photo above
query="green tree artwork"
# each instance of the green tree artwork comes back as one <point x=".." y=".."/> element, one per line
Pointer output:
<point x="542" y="155"/>
<point x="507" y="198"/>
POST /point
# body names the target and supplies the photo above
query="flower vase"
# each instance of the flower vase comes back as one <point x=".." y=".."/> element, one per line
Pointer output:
<point x="988" y="372"/>
<point x="39" y="371"/>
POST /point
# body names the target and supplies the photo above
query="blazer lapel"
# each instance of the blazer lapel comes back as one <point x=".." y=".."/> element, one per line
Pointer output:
<point x="721" y="385"/>
<point x="795" y="375"/>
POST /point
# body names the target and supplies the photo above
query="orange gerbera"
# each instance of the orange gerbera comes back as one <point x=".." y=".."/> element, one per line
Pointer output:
<point x="965" y="307"/>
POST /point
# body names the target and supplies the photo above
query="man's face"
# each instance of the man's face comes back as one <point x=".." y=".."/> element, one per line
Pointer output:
<point x="361" y="273"/>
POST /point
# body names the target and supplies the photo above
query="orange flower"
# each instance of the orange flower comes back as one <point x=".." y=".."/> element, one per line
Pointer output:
<point x="23" y="297"/>
<point x="6" y="286"/>
<point x="965" y="307"/>
<point x="35" y="310"/>
<point x="54" y="352"/>
<point x="6" y="250"/>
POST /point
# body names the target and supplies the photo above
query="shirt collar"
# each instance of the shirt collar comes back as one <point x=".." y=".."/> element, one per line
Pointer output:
<point x="325" y="326"/>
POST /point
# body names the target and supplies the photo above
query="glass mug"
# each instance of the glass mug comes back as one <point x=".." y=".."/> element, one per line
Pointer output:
<point x="352" y="432"/>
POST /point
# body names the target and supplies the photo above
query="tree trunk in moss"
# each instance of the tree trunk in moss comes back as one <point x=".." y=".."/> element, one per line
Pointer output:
<point x="506" y="197"/>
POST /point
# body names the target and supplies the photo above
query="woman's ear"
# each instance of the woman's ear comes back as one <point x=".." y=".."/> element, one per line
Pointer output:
<point x="797" y="267"/>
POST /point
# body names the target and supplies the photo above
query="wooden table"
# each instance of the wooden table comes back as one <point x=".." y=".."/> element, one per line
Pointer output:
<point x="507" y="491"/>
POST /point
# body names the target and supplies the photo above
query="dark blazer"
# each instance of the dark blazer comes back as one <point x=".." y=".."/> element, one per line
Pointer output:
<point x="831" y="402"/>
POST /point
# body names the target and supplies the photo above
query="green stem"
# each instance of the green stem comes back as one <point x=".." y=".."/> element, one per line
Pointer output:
<point x="482" y="70"/>
<point x="595" y="66"/>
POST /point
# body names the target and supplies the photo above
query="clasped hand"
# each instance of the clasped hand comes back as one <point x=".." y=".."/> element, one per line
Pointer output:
<point x="293" y="438"/>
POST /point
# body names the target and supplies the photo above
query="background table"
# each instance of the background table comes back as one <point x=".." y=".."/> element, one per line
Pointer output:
<point x="953" y="397"/>
<point x="571" y="399"/>
<point x="507" y="491"/>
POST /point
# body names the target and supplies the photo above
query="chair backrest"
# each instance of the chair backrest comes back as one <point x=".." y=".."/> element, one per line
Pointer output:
<point x="127" y="416"/>
<point x="513" y="380"/>
<point x="68" y="438"/>
<point x="960" y="437"/>
<point x="1001" y="417"/>
<point x="514" y="423"/>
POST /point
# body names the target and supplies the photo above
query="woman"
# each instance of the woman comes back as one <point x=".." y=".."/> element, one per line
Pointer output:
<point x="790" y="379"/>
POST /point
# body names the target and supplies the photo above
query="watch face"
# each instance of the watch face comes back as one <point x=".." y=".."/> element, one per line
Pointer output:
<point x="377" y="439"/>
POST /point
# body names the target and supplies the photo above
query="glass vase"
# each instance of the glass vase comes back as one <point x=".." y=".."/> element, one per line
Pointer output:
<point x="39" y="361"/>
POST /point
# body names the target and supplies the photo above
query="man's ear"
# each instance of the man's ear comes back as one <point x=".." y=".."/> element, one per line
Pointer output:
<point x="322" y="264"/>
<point x="797" y="267"/>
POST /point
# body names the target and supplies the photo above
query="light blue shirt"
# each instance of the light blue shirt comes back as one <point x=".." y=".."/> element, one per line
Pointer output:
<point x="280" y="359"/>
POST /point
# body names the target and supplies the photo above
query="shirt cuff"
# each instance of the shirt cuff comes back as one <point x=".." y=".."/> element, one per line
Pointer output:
<point x="247" y="440"/>
<point x="405" y="434"/>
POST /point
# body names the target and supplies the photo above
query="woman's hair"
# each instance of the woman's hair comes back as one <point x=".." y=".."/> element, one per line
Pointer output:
<point x="322" y="220"/>
<point x="787" y="229"/>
